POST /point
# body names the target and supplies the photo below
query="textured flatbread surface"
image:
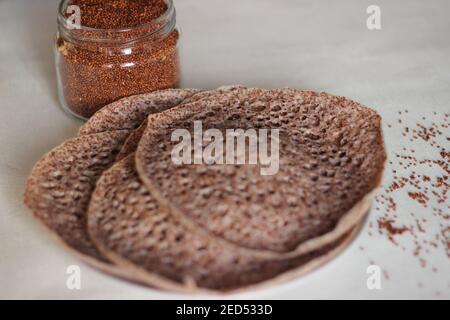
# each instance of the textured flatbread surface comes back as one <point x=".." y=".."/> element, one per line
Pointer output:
<point x="135" y="232"/>
<point x="211" y="227"/>
<point x="331" y="156"/>
<point x="128" y="113"/>
<point x="59" y="188"/>
<point x="132" y="142"/>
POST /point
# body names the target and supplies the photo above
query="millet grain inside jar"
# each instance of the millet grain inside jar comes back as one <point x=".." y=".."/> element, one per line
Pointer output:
<point x="123" y="48"/>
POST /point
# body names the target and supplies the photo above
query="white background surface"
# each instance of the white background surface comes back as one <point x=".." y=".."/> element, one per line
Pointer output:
<point x="319" y="45"/>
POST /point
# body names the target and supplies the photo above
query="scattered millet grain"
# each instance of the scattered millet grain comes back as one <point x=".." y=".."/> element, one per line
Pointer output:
<point x="412" y="179"/>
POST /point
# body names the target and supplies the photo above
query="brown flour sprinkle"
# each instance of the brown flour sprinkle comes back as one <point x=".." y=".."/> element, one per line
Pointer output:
<point x="123" y="48"/>
<point x="424" y="182"/>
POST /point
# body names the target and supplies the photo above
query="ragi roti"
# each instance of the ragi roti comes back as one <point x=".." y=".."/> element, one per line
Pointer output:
<point x="132" y="142"/>
<point x="331" y="161"/>
<point x="59" y="188"/>
<point x="152" y="245"/>
<point x="128" y="113"/>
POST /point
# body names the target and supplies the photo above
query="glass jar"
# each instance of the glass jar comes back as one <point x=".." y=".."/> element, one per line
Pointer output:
<point x="98" y="66"/>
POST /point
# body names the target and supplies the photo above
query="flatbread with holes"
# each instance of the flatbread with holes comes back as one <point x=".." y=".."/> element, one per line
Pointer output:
<point x="128" y="113"/>
<point x="135" y="136"/>
<point x="153" y="246"/>
<point x="59" y="189"/>
<point x="331" y="161"/>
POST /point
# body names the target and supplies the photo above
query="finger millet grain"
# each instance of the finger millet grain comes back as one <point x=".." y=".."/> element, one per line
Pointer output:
<point x="93" y="74"/>
<point x="425" y="181"/>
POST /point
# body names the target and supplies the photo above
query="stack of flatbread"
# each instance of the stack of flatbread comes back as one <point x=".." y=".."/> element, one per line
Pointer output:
<point x="115" y="197"/>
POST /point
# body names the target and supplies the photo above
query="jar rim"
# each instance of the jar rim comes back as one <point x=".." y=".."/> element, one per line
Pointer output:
<point x="169" y="16"/>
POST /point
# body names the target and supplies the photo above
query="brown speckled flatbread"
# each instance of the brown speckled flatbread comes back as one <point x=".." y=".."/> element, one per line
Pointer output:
<point x="128" y="113"/>
<point x="60" y="186"/>
<point x="135" y="136"/>
<point x="210" y="93"/>
<point x="61" y="202"/>
<point x="133" y="231"/>
<point x="204" y="228"/>
<point x="331" y="160"/>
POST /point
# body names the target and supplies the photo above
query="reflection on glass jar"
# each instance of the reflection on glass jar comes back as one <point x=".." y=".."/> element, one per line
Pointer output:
<point x="96" y="66"/>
